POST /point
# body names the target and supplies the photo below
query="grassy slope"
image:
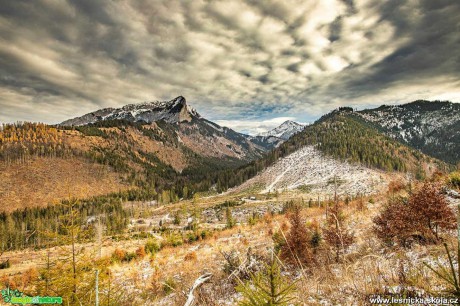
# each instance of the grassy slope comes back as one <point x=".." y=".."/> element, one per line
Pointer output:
<point x="42" y="181"/>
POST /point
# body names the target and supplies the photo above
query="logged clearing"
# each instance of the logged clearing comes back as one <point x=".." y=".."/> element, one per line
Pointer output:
<point x="43" y="181"/>
<point x="309" y="169"/>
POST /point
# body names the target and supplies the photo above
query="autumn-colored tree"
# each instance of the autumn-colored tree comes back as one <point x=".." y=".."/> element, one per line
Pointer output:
<point x="395" y="186"/>
<point x="432" y="210"/>
<point x="70" y="273"/>
<point x="118" y="255"/>
<point x="421" y="217"/>
<point x="297" y="248"/>
<point x="335" y="233"/>
<point x="392" y="222"/>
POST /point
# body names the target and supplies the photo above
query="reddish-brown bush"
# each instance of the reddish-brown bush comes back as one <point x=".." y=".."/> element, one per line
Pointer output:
<point x="422" y="217"/>
<point x="297" y="248"/>
<point x="190" y="256"/>
<point x="432" y="210"/>
<point x="395" y="186"/>
<point x="140" y="252"/>
<point x="392" y="223"/>
<point x="119" y="255"/>
<point x="28" y="277"/>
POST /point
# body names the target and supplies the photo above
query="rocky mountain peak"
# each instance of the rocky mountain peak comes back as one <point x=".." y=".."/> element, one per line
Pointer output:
<point x="173" y="111"/>
<point x="285" y="130"/>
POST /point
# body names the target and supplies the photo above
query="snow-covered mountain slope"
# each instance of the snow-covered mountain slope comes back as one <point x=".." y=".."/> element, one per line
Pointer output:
<point x="172" y="111"/>
<point x="285" y="130"/>
<point x="309" y="169"/>
<point x="431" y="127"/>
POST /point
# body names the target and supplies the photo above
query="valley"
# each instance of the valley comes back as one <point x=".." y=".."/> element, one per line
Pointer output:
<point x="229" y="153"/>
<point x="153" y="196"/>
<point x="180" y="259"/>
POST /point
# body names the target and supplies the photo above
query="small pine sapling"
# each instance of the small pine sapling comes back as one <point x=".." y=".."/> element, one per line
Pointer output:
<point x="268" y="287"/>
<point x="336" y="233"/>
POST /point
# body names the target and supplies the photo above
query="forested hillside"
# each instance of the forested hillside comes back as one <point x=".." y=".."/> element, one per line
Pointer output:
<point x="346" y="137"/>
<point x="140" y="161"/>
<point x="19" y="142"/>
<point x="166" y="161"/>
<point x="431" y="127"/>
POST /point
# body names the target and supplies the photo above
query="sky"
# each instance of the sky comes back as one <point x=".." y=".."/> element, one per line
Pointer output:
<point x="248" y="64"/>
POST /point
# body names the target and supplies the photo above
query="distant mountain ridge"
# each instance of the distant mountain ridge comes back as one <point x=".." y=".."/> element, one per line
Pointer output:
<point x="285" y="130"/>
<point x="199" y="134"/>
<point x="275" y="137"/>
<point x="431" y="127"/>
<point x="371" y="138"/>
<point x="173" y="111"/>
<point x="168" y="147"/>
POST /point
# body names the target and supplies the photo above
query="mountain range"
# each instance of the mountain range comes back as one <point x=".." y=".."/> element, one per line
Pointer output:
<point x="173" y="111"/>
<point x="156" y="147"/>
<point x="199" y="134"/>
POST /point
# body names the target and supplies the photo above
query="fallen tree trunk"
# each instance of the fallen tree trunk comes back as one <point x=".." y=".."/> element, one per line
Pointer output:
<point x="199" y="281"/>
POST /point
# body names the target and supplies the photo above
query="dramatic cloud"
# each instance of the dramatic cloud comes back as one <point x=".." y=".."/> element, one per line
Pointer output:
<point x="242" y="63"/>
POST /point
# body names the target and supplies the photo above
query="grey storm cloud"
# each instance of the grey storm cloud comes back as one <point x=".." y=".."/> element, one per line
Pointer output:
<point x="247" y="63"/>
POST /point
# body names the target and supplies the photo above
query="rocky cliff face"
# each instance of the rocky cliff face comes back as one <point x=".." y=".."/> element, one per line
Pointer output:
<point x="173" y="111"/>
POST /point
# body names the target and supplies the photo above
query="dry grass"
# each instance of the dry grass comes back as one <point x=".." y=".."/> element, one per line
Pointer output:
<point x="368" y="267"/>
<point x="43" y="181"/>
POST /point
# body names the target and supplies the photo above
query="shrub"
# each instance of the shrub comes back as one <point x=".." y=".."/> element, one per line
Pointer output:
<point x="123" y="256"/>
<point x="267" y="287"/>
<point x="289" y="206"/>
<point x="130" y="256"/>
<point x="395" y="186"/>
<point x="29" y="277"/>
<point x="432" y="209"/>
<point x="454" y="180"/>
<point x="392" y="223"/>
<point x="229" y="217"/>
<point x="190" y="256"/>
<point x="297" y="248"/>
<point x="152" y="247"/>
<point x="174" y="240"/>
<point x="169" y="286"/>
<point x="118" y="255"/>
<point x="177" y="218"/>
<point x="335" y="232"/>
<point x="140" y="252"/>
<point x="232" y="263"/>
<point x="422" y="217"/>
<point x="5" y="264"/>
<point x="279" y="241"/>
<point x="316" y="237"/>
<point x="241" y="268"/>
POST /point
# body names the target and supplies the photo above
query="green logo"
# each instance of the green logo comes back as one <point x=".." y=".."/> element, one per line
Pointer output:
<point x="16" y="297"/>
